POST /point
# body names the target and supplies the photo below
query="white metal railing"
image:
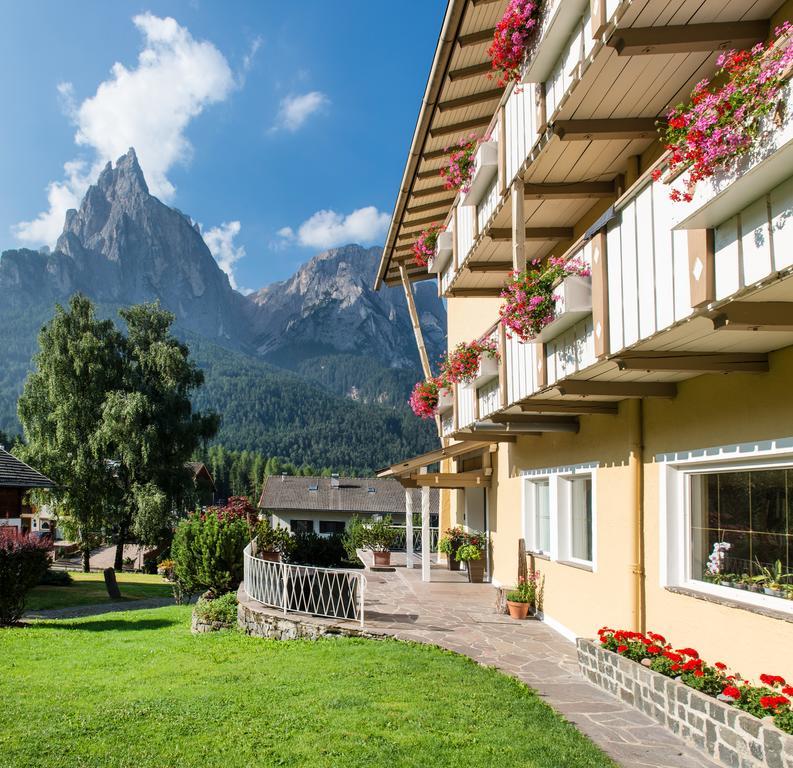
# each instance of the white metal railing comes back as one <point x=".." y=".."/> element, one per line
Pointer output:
<point x="400" y="543"/>
<point x="335" y="593"/>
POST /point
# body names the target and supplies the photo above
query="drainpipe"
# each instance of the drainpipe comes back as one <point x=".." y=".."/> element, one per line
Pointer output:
<point x="636" y="466"/>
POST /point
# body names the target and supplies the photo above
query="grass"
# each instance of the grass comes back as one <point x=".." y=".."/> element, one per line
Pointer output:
<point x="89" y="589"/>
<point x="137" y="689"/>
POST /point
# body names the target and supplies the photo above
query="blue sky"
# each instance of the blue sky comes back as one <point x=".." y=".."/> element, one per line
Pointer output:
<point x="252" y="117"/>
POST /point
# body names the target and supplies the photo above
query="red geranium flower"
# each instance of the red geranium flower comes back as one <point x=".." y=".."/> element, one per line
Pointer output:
<point x="772" y="680"/>
<point x="622" y="648"/>
<point x="732" y="692"/>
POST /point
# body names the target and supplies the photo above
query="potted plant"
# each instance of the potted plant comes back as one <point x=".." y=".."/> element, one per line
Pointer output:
<point x="725" y="121"/>
<point x="376" y="535"/>
<point x="774" y="579"/>
<point x="472" y="554"/>
<point x="271" y="542"/>
<point x="520" y="600"/>
<point x="450" y="542"/>
<point x="424" y="398"/>
<point x="469" y="362"/>
<point x="530" y="301"/>
<point x="457" y="174"/>
<point x="728" y="579"/>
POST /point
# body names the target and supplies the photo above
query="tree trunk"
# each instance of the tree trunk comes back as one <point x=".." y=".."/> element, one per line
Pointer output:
<point x="86" y="559"/>
<point x="118" y="563"/>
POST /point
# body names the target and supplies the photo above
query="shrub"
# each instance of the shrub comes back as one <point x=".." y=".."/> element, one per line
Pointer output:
<point x="56" y="579"/>
<point x="222" y="609"/>
<point x="23" y="563"/>
<point x="207" y="552"/>
<point x="468" y="552"/>
<point x="376" y="535"/>
<point x="321" y="551"/>
<point x="271" y="539"/>
<point x="452" y="540"/>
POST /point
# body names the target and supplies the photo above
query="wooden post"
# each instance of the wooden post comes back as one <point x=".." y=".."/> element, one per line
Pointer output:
<point x="542" y="372"/>
<point x="113" y="592"/>
<point x="425" y="533"/>
<point x="503" y="181"/>
<point x="600" y="295"/>
<point x="518" y="226"/>
<point x="701" y="266"/>
<point x="540" y="109"/>
<point x="409" y="527"/>
<point x="414" y="319"/>
<point x="455" y="247"/>
<point x="597" y="17"/>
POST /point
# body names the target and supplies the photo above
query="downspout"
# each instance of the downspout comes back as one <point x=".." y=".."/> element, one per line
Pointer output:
<point x="636" y="467"/>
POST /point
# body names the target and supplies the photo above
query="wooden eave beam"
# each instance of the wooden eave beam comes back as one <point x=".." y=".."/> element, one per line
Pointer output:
<point x="433" y="173"/>
<point x="537" y="423"/>
<point x="473" y="71"/>
<point x="601" y="130"/>
<point x="489" y="266"/>
<point x="445" y="203"/>
<point x="583" y="388"/>
<point x="474" y="293"/>
<point x="429" y="191"/>
<point x="580" y="407"/>
<point x="463" y="125"/>
<point x="701" y="362"/>
<point x="754" y="316"/>
<point x="492" y="94"/>
<point x="504" y="234"/>
<point x="417" y="222"/>
<point x="493" y="437"/>
<point x="475" y="479"/>
<point x="436" y="154"/>
<point x="688" y="38"/>
<point x="476" y="38"/>
<point x="577" y="190"/>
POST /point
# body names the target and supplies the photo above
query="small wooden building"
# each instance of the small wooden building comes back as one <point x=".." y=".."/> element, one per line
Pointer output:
<point x="16" y="479"/>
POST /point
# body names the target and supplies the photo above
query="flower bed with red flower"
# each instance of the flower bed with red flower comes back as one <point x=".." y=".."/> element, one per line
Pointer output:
<point x="723" y="122"/>
<point x="773" y="697"/>
<point x="424" y="247"/>
<point x="462" y="365"/>
<point x="460" y="170"/>
<point x="511" y="38"/>
<point x="529" y="299"/>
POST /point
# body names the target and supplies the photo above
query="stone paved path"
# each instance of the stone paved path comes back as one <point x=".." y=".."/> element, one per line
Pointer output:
<point x="79" y="611"/>
<point x="462" y="617"/>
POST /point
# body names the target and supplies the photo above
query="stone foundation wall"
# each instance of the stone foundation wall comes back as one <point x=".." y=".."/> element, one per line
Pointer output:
<point x="728" y="735"/>
<point x="199" y="626"/>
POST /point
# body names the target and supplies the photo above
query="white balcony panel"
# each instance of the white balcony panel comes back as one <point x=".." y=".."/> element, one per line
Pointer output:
<point x="465" y="231"/>
<point x="447" y="423"/>
<point x="488" y="204"/>
<point x="448" y="273"/>
<point x="565" y="70"/>
<point x="571" y="352"/>
<point x="521" y="369"/>
<point x="756" y="243"/>
<point x="521" y="128"/>
<point x="465" y="406"/>
<point x="489" y="400"/>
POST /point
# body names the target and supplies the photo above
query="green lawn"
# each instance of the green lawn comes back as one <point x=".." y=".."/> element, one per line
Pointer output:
<point x="89" y="589"/>
<point x="137" y="690"/>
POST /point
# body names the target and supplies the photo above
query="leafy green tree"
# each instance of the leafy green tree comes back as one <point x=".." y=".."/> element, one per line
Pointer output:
<point x="149" y="427"/>
<point x="61" y="410"/>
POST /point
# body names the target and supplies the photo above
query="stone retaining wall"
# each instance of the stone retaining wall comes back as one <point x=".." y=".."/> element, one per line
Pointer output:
<point x="729" y="735"/>
<point x="199" y="626"/>
<point x="259" y="620"/>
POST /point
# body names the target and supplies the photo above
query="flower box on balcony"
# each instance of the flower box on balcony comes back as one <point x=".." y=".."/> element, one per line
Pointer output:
<point x="732" y="189"/>
<point x="485" y="170"/>
<point x="488" y="370"/>
<point x="445" y="400"/>
<point x="573" y="303"/>
<point x="443" y="252"/>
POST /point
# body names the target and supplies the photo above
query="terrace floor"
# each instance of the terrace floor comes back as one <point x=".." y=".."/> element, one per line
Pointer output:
<point x="453" y="614"/>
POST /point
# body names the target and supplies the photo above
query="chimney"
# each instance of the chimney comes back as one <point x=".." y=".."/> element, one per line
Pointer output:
<point x="283" y="475"/>
<point x="334" y="480"/>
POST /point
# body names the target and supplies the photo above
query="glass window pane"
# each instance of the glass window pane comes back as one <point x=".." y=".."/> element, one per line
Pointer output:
<point x="581" y="519"/>
<point x="740" y="524"/>
<point x="542" y="516"/>
<point x="301" y="526"/>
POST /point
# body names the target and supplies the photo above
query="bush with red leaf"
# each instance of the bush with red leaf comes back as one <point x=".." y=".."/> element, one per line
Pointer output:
<point x="23" y="562"/>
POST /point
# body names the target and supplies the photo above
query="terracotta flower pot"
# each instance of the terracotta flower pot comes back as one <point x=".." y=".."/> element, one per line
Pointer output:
<point x="517" y="610"/>
<point x="382" y="559"/>
<point x="476" y="570"/>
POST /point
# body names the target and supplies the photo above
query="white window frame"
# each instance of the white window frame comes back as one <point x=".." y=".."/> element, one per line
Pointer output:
<point x="559" y="502"/>
<point x="674" y="504"/>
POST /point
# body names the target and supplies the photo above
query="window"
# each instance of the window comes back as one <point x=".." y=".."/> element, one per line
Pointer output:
<point x="331" y="527"/>
<point x="581" y="519"/>
<point x="741" y="527"/>
<point x="301" y="526"/>
<point x="538" y="529"/>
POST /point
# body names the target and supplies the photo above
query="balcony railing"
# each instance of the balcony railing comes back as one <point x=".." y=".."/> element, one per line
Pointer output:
<point x="400" y="544"/>
<point x="329" y="592"/>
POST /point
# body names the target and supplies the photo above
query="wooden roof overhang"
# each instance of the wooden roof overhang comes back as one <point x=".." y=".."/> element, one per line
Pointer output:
<point x="649" y="59"/>
<point x="460" y="98"/>
<point x="605" y="119"/>
<point x="405" y="469"/>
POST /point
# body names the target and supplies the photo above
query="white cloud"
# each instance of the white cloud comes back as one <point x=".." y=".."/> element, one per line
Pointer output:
<point x="147" y="107"/>
<point x="220" y="241"/>
<point x="295" y="110"/>
<point x="327" y="229"/>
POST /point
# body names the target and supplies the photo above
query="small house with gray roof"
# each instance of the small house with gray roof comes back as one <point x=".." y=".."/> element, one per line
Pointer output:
<point x="324" y="505"/>
<point x="16" y="479"/>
